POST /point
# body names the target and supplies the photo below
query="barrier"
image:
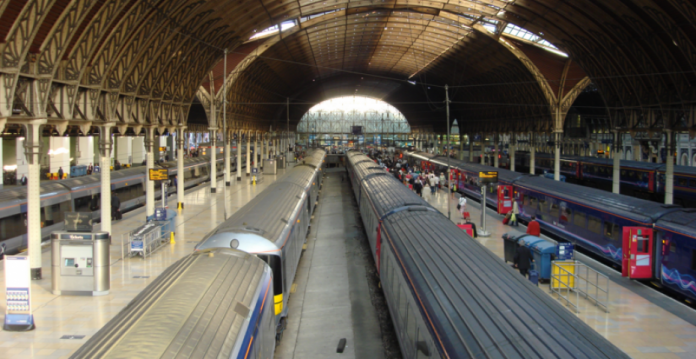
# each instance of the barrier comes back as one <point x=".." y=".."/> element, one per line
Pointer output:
<point x="575" y="277"/>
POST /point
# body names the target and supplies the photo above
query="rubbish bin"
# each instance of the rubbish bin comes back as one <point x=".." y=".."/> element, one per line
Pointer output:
<point x="544" y="252"/>
<point x="510" y="240"/>
<point x="269" y="167"/>
<point x="281" y="162"/>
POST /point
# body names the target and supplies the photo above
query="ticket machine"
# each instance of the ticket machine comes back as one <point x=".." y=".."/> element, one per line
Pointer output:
<point x="80" y="263"/>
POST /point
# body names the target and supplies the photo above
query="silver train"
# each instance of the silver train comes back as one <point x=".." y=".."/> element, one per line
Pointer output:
<point x="82" y="194"/>
<point x="448" y="295"/>
<point x="214" y="303"/>
<point x="274" y="226"/>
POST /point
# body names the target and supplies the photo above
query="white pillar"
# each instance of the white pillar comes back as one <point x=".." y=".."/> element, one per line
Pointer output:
<point x="150" y="161"/>
<point x="180" y="178"/>
<point x="124" y="149"/>
<point x="256" y="150"/>
<point x="59" y="154"/>
<point x="86" y="150"/>
<point x="32" y="151"/>
<point x="471" y="148"/>
<point x="213" y="163"/>
<point x="248" y="154"/>
<point x="669" y="175"/>
<point x="239" y="156"/>
<point x="262" y="154"/>
<point x="105" y="146"/>
<point x="138" y="150"/>
<point x="227" y="158"/>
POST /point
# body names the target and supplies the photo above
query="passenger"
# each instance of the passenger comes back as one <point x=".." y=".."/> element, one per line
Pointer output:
<point x="523" y="259"/>
<point x="90" y="169"/>
<point x="533" y="227"/>
<point x="115" y="205"/>
<point x="515" y="213"/>
<point x="418" y="187"/>
<point x="60" y="173"/>
<point x="433" y="184"/>
<point x="23" y="181"/>
<point x="436" y="179"/>
<point x="461" y="206"/>
<point x="442" y="180"/>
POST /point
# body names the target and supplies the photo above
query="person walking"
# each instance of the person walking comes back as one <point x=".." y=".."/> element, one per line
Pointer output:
<point x="533" y="227"/>
<point x="418" y="187"/>
<point x="441" y="182"/>
<point x="515" y="213"/>
<point x="433" y="184"/>
<point x="115" y="205"/>
<point x="461" y="206"/>
<point x="60" y="173"/>
<point x="523" y="259"/>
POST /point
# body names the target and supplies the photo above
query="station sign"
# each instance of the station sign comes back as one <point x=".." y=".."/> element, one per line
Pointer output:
<point x="488" y="177"/>
<point x="159" y="174"/>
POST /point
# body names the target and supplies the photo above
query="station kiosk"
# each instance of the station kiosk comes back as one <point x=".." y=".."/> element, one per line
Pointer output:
<point x="80" y="258"/>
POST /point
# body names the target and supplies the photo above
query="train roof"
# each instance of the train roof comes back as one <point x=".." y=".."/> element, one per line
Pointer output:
<point x="630" y="207"/>
<point x="314" y="158"/>
<point x="503" y="174"/>
<point x="387" y="193"/>
<point x="479" y="306"/>
<point x="19" y="194"/>
<point x="271" y="211"/>
<point x="182" y="314"/>
<point x="624" y="163"/>
<point x="365" y="168"/>
<point x="682" y="221"/>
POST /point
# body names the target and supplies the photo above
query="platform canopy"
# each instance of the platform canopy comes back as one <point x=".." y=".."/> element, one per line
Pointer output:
<point x="511" y="65"/>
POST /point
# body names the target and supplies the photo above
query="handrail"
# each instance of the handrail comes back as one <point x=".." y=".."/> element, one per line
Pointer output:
<point x="583" y="280"/>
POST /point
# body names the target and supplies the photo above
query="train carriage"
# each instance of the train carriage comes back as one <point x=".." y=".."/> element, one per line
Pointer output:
<point x="449" y="296"/>
<point x="274" y="227"/>
<point x="183" y="314"/>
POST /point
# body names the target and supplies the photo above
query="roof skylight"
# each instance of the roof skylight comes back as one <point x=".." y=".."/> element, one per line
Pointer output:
<point x="524" y="34"/>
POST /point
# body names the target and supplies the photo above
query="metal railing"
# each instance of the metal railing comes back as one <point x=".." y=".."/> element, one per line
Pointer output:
<point x="145" y="240"/>
<point x="578" y="278"/>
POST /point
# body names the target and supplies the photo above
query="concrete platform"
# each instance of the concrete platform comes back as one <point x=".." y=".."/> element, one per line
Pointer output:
<point x="331" y="298"/>
<point x="641" y="321"/>
<point x="79" y="317"/>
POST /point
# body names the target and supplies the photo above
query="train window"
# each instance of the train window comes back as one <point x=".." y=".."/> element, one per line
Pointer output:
<point x="611" y="230"/>
<point x="682" y="182"/>
<point x="411" y="327"/>
<point x="580" y="219"/>
<point x="692" y="183"/>
<point x="422" y="347"/>
<point x="54" y="213"/>
<point x="566" y="214"/>
<point x="623" y="172"/>
<point x="554" y="209"/>
<point x="543" y="206"/>
<point x="12" y="226"/>
<point x="594" y="224"/>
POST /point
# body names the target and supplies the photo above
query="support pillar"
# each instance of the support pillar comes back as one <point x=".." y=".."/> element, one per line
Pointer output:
<point x="261" y="152"/>
<point x="105" y="146"/>
<point x="248" y="154"/>
<point x="471" y="148"/>
<point x="227" y="158"/>
<point x="239" y="156"/>
<point x="616" y="152"/>
<point x="531" y="153"/>
<point x="256" y="150"/>
<point x="150" y="163"/>
<point x="669" y="175"/>
<point x="557" y="156"/>
<point x="512" y="148"/>
<point x="180" y="185"/>
<point x="32" y="152"/>
<point x="496" y="155"/>
<point x="213" y="159"/>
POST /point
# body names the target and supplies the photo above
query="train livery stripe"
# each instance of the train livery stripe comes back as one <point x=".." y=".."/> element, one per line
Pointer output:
<point x="255" y="318"/>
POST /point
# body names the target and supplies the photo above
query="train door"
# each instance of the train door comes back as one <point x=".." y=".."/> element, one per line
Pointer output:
<point x="504" y="199"/>
<point x="637" y="252"/>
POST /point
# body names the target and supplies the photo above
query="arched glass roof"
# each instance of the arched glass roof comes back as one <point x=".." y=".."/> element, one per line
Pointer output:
<point x="341" y="114"/>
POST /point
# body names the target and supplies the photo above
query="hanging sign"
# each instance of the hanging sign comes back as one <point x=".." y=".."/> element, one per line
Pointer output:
<point x="18" y="315"/>
<point x="488" y="177"/>
<point x="159" y="174"/>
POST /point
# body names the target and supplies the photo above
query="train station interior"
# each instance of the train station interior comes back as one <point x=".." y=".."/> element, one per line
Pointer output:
<point x="363" y="162"/>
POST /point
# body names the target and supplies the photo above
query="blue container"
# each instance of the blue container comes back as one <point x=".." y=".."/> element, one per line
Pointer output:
<point x="77" y="171"/>
<point x="534" y="277"/>
<point x="562" y="178"/>
<point x="543" y="252"/>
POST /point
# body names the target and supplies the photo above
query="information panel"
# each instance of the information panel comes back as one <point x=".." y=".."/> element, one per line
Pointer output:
<point x="159" y="174"/>
<point x="488" y="177"/>
<point x="18" y="316"/>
